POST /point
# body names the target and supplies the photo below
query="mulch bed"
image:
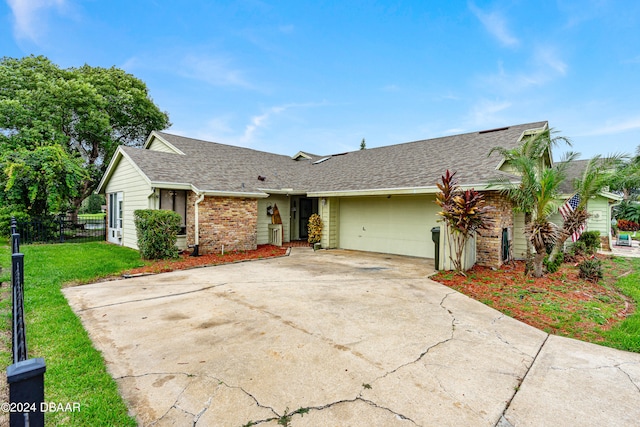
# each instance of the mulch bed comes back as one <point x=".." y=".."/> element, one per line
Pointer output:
<point x="186" y="261"/>
<point x="561" y="303"/>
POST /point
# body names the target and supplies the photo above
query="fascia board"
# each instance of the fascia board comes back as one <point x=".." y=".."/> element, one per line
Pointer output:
<point x="219" y="193"/>
<point x="115" y="160"/>
<point x="399" y="191"/>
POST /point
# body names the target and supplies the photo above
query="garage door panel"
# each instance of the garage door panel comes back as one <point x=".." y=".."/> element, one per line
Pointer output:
<point x="398" y="225"/>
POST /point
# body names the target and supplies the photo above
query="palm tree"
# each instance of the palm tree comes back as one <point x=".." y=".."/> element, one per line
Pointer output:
<point x="534" y="194"/>
<point x="596" y="177"/>
<point x="543" y="233"/>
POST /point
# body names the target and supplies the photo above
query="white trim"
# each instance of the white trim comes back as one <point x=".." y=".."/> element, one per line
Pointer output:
<point x="399" y="191"/>
<point x="155" y="134"/>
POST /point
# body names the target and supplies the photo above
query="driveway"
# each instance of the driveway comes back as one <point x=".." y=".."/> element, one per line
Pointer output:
<point x="342" y="339"/>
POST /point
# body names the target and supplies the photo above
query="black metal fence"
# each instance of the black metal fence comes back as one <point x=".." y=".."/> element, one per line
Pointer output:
<point x="25" y="376"/>
<point x="60" y="229"/>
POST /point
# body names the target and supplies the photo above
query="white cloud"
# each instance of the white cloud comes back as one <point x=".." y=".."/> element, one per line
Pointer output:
<point x="496" y="25"/>
<point x="615" y="127"/>
<point x="28" y="15"/>
<point x="547" y="59"/>
<point x="545" y="66"/>
<point x="216" y="71"/>
<point x="485" y="113"/>
<point x="258" y="122"/>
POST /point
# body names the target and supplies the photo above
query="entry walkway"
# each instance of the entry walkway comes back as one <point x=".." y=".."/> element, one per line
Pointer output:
<point x="341" y="338"/>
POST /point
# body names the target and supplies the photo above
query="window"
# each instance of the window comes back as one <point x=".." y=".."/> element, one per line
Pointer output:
<point x="175" y="200"/>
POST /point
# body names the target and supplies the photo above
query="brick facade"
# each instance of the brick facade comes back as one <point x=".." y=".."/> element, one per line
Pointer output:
<point x="489" y="241"/>
<point x="228" y="221"/>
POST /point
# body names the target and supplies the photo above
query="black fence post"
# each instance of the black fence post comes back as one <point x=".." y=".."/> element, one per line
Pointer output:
<point x="26" y="392"/>
<point x="25" y="376"/>
<point x="15" y="237"/>
<point x="61" y="228"/>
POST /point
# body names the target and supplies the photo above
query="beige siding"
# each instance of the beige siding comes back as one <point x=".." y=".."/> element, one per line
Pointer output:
<point x="600" y="219"/>
<point x="329" y="211"/>
<point x="398" y="224"/>
<point x="136" y="193"/>
<point x="158" y="145"/>
<point x="447" y="251"/>
<point x="519" y="239"/>
<point x="264" y="220"/>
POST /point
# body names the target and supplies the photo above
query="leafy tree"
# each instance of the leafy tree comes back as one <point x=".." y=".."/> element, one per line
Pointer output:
<point x="463" y="212"/>
<point x="39" y="181"/>
<point x="88" y="111"/>
<point x="363" y="145"/>
<point x="626" y="180"/>
<point x="535" y="193"/>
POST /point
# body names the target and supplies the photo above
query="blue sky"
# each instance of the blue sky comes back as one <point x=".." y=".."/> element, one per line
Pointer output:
<point x="284" y="76"/>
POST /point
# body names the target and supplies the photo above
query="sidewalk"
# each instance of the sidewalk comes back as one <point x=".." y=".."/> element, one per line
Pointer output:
<point x="625" y="251"/>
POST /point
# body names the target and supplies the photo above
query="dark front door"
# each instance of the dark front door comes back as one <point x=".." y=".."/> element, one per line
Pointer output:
<point x="306" y="210"/>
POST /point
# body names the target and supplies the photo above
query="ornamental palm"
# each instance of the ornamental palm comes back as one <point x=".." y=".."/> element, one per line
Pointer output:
<point x="535" y="194"/>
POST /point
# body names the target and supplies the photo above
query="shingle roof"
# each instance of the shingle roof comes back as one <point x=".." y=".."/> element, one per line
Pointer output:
<point x="574" y="171"/>
<point x="217" y="167"/>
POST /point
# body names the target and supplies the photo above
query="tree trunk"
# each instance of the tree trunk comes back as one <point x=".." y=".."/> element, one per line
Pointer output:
<point x="529" y="253"/>
<point x="563" y="235"/>
<point x="538" y="261"/>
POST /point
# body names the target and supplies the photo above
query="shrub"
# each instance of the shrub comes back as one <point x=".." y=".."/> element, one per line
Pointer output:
<point x="591" y="241"/>
<point x="314" y="228"/>
<point x="591" y="269"/>
<point x="554" y="266"/>
<point x="626" y="225"/>
<point x="157" y="233"/>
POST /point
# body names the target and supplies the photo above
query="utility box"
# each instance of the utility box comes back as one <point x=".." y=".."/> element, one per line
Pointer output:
<point x="435" y="236"/>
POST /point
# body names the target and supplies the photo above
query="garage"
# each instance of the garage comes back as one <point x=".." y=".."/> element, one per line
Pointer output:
<point x="389" y="224"/>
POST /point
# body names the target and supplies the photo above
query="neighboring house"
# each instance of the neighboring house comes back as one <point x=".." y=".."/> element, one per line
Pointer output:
<point x="599" y="207"/>
<point x="378" y="199"/>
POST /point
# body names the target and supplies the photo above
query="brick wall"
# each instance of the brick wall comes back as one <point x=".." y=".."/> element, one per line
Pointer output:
<point x="489" y="241"/>
<point x="228" y="221"/>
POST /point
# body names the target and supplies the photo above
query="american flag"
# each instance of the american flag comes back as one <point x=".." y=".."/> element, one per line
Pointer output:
<point x="566" y="209"/>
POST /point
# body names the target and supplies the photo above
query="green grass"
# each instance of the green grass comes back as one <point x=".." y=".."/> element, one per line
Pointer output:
<point x="101" y="215"/>
<point x="75" y="370"/>
<point x="626" y="334"/>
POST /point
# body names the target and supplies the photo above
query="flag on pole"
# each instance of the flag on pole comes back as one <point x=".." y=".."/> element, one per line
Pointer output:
<point x="566" y="210"/>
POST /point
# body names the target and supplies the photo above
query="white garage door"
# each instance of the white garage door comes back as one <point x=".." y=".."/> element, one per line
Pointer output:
<point x="396" y="225"/>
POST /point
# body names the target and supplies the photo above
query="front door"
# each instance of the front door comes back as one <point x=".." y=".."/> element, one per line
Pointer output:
<point x="306" y="210"/>
<point x="115" y="218"/>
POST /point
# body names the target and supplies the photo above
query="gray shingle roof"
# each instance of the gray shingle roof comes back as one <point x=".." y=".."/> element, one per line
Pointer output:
<point x="217" y="167"/>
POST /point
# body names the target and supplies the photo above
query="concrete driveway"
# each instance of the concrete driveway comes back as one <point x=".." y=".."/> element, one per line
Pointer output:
<point x="341" y="338"/>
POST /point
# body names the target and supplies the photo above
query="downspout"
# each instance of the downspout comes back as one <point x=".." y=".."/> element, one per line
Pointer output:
<point x="196" y="226"/>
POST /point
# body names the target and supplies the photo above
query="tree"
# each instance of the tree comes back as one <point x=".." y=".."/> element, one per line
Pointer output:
<point x="626" y="180"/>
<point x="88" y="111"/>
<point x="363" y="145"/>
<point x="39" y="181"/>
<point x="463" y="212"/>
<point x="534" y="194"/>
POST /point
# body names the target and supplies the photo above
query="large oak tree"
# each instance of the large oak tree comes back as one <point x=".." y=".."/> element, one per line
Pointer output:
<point x="87" y="111"/>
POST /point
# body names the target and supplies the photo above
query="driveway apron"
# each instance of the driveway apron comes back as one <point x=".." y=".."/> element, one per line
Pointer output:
<point x="341" y="338"/>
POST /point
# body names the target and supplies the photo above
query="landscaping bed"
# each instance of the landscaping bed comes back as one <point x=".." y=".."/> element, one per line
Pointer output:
<point x="560" y="303"/>
<point x="185" y="260"/>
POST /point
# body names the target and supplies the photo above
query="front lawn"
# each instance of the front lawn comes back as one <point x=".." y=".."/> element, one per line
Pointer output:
<point x="562" y="303"/>
<point x="75" y="370"/>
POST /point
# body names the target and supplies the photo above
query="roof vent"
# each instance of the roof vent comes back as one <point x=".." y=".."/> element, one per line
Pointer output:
<point x="493" y="130"/>
<point x="261" y="178"/>
<point x="324" y="159"/>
